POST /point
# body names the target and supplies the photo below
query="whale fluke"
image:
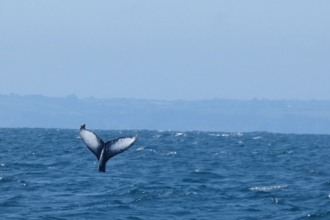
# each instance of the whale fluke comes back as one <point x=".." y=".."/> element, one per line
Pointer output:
<point x="105" y="151"/>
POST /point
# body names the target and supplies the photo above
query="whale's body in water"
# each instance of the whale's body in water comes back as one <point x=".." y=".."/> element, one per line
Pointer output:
<point x="105" y="151"/>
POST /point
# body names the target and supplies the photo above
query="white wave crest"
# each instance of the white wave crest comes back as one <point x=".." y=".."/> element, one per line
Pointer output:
<point x="267" y="188"/>
<point x="219" y="135"/>
<point x="314" y="171"/>
<point x="179" y="134"/>
<point x="171" y="153"/>
<point x="215" y="135"/>
<point x="142" y="149"/>
<point x="223" y="152"/>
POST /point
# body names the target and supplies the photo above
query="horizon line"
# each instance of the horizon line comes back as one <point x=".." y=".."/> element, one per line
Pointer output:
<point x="74" y="96"/>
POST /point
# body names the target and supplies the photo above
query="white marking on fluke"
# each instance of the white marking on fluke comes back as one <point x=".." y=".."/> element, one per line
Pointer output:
<point x="105" y="151"/>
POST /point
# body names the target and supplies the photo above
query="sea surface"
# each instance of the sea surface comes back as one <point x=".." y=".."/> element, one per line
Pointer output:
<point x="50" y="174"/>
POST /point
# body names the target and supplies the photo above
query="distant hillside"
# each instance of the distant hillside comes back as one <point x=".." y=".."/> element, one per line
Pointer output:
<point x="286" y="116"/>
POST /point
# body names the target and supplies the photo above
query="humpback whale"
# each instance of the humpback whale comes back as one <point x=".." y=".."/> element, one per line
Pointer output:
<point x="105" y="151"/>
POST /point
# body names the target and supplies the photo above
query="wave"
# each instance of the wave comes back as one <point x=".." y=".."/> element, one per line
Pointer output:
<point x="267" y="188"/>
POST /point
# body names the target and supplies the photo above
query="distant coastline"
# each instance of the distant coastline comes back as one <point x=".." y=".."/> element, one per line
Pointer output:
<point x="281" y="116"/>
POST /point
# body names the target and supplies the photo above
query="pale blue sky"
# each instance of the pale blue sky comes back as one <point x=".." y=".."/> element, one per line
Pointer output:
<point x="166" y="49"/>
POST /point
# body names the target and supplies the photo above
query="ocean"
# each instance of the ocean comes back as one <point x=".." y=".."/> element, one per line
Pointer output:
<point x="50" y="174"/>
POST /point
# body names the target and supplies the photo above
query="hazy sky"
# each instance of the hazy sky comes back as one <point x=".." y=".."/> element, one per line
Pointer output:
<point x="183" y="49"/>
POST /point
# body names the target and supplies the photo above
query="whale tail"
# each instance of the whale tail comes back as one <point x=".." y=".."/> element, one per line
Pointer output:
<point x="102" y="167"/>
<point x="114" y="147"/>
<point x="103" y="160"/>
<point x="105" y="151"/>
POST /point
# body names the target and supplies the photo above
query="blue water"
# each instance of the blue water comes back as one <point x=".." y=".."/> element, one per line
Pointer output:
<point x="50" y="174"/>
